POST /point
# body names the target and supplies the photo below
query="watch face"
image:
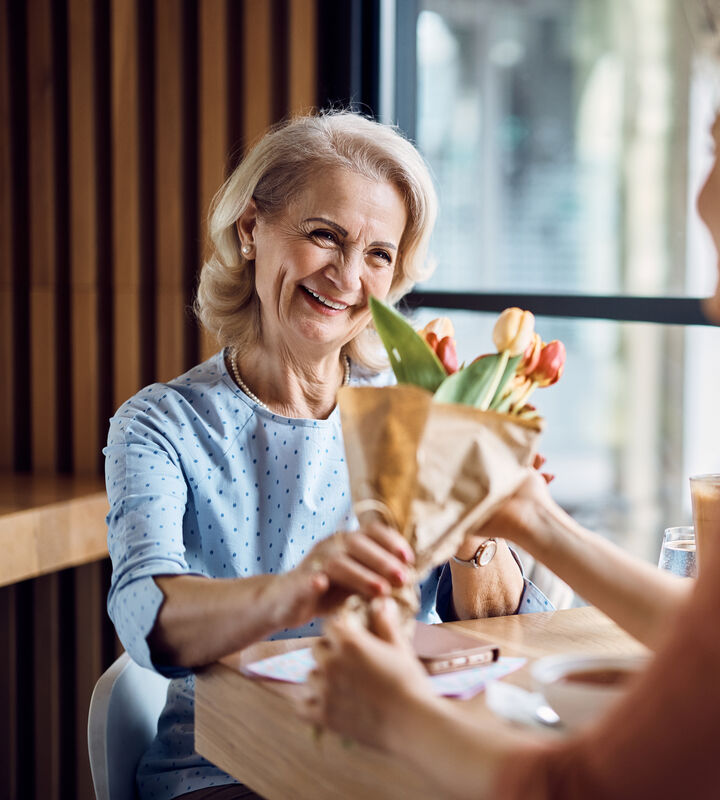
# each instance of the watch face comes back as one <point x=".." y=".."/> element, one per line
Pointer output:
<point x="487" y="551"/>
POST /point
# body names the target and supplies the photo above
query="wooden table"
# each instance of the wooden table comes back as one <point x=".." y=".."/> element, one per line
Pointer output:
<point x="250" y="727"/>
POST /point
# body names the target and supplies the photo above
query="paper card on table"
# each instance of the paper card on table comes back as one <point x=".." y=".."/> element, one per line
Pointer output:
<point x="293" y="667"/>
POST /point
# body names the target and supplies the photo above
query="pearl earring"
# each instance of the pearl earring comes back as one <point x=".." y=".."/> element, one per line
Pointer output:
<point x="246" y="248"/>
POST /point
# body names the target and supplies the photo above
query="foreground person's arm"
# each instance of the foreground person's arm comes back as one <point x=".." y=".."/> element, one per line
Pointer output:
<point x="637" y="595"/>
<point x="659" y="742"/>
<point x="371" y="687"/>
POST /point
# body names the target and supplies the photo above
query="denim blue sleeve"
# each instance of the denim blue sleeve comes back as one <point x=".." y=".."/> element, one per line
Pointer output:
<point x="531" y="600"/>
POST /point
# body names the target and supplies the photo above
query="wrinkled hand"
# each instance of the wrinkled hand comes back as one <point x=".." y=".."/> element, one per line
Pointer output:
<point x="365" y="681"/>
<point x="369" y="562"/>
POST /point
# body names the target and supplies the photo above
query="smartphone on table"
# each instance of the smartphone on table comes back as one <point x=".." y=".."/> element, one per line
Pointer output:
<point x="441" y="648"/>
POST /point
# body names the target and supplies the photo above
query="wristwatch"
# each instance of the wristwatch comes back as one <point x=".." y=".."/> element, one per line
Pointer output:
<point x="483" y="555"/>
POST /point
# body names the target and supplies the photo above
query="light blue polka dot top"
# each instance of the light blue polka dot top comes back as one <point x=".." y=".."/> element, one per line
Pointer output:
<point x="202" y="480"/>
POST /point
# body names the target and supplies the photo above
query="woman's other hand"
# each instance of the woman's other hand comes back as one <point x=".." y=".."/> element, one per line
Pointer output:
<point x="367" y="684"/>
<point x="370" y="562"/>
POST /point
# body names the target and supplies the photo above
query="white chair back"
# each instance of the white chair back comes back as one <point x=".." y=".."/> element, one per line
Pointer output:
<point x="124" y="710"/>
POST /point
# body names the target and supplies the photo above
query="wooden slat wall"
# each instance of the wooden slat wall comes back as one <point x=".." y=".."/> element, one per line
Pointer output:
<point x="169" y="151"/>
<point x="85" y="236"/>
<point x="9" y="745"/>
<point x="119" y="120"/>
<point x="302" y="70"/>
<point x="126" y="211"/>
<point x="217" y="90"/>
<point x="257" y="85"/>
<point x="7" y="426"/>
<point x="42" y="89"/>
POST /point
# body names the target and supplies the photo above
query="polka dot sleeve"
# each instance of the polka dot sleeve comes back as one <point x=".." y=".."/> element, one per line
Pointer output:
<point x="147" y="496"/>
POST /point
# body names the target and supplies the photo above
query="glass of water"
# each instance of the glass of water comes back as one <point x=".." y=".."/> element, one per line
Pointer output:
<point x="677" y="554"/>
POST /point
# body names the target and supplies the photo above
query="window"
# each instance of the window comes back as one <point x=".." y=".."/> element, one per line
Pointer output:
<point x="568" y="140"/>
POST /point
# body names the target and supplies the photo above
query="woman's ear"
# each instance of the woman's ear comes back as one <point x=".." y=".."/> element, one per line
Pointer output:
<point x="245" y="226"/>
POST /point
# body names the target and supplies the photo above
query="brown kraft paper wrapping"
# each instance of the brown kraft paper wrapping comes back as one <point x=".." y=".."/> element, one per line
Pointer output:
<point x="435" y="471"/>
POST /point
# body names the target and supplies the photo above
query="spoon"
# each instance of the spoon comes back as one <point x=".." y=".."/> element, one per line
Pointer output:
<point x="518" y="705"/>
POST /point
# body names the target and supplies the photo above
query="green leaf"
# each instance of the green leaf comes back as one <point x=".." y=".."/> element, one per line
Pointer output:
<point x="468" y="384"/>
<point x="504" y="381"/>
<point x="411" y="359"/>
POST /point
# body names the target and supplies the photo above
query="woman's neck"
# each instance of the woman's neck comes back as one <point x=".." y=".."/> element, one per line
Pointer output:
<point x="287" y="385"/>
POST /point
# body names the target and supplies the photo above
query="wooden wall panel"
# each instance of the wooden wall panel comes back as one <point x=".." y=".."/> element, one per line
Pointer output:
<point x="84" y="212"/>
<point x="7" y="427"/>
<point x="43" y="255"/>
<point x="213" y="119"/>
<point x="8" y="693"/>
<point x="125" y="127"/>
<point x="46" y="601"/>
<point x="90" y="617"/>
<point x="302" y="77"/>
<point x="169" y="183"/>
<point x="258" y="69"/>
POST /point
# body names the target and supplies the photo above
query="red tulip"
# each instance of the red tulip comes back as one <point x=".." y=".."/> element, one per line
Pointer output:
<point x="438" y="335"/>
<point x="531" y="356"/>
<point x="439" y="327"/>
<point x="550" y="365"/>
<point x="447" y="354"/>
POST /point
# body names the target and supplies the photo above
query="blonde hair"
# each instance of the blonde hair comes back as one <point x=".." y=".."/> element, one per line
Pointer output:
<point x="275" y="171"/>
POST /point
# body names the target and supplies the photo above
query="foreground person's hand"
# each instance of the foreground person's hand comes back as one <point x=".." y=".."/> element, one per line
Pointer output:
<point x="526" y="516"/>
<point x="370" y="562"/>
<point x="367" y="685"/>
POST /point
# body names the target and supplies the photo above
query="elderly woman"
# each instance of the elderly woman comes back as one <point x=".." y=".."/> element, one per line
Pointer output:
<point x="656" y="743"/>
<point x="228" y="484"/>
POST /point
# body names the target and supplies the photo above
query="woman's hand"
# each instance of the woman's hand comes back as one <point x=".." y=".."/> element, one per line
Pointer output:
<point x="525" y="517"/>
<point x="370" y="562"/>
<point x="367" y="685"/>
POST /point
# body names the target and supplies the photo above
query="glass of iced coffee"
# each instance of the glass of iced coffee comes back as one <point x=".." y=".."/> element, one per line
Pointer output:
<point x="705" y="493"/>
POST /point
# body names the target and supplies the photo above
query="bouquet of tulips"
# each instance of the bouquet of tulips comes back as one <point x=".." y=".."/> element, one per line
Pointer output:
<point x="436" y="454"/>
<point x="501" y="381"/>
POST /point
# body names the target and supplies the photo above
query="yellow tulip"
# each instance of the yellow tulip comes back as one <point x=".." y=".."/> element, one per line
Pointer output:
<point x="513" y="331"/>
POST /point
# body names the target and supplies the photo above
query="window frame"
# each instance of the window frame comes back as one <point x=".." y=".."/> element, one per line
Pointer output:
<point x="662" y="310"/>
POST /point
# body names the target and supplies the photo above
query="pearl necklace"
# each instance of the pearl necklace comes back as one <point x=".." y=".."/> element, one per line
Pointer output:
<point x="241" y="383"/>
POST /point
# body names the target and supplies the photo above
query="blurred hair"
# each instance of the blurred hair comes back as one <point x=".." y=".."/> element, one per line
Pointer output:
<point x="704" y="21"/>
<point x="276" y="171"/>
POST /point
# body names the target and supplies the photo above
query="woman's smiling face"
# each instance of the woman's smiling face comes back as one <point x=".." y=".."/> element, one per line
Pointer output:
<point x="318" y="262"/>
